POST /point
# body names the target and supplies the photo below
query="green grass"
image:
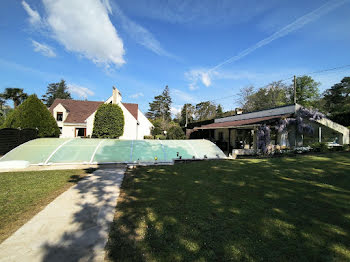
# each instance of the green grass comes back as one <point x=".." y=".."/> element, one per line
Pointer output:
<point x="281" y="209"/>
<point x="23" y="194"/>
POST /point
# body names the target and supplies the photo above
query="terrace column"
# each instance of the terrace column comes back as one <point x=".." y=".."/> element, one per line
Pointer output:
<point x="320" y="134"/>
<point x="255" y="146"/>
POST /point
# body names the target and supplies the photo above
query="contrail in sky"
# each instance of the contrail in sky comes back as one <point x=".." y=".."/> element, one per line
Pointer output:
<point x="297" y="24"/>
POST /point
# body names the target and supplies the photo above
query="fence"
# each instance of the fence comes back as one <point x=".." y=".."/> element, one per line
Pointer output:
<point x="11" y="138"/>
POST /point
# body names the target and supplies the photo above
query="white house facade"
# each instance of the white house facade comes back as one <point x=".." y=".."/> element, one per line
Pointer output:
<point x="75" y="118"/>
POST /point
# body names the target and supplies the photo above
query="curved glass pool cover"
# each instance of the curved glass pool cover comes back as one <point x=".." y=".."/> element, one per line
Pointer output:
<point x="44" y="151"/>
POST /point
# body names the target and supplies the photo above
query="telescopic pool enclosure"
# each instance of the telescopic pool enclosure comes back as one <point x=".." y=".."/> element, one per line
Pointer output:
<point x="48" y="151"/>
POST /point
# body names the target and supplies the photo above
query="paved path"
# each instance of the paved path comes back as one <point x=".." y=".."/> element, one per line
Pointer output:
<point x="73" y="227"/>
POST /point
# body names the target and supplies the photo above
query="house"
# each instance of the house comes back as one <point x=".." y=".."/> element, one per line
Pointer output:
<point x="240" y="131"/>
<point x="75" y="118"/>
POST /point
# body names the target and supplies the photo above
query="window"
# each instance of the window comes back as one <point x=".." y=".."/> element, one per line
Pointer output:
<point x="59" y="116"/>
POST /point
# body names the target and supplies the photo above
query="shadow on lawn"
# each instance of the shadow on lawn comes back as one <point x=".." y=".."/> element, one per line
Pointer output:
<point x="288" y="209"/>
<point x="90" y="221"/>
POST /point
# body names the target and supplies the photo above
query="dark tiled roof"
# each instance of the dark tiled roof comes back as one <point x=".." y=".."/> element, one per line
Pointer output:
<point x="132" y="108"/>
<point x="80" y="110"/>
<point x="240" y="122"/>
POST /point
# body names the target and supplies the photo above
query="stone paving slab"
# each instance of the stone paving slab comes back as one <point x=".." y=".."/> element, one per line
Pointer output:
<point x="73" y="227"/>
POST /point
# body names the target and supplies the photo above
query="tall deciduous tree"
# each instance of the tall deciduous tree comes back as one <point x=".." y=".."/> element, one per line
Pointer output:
<point x="219" y="111"/>
<point x="15" y="94"/>
<point x="337" y="98"/>
<point x="273" y="95"/>
<point x="56" y="90"/>
<point x="160" y="107"/>
<point x="307" y="92"/>
<point x="190" y="114"/>
<point x="205" y="110"/>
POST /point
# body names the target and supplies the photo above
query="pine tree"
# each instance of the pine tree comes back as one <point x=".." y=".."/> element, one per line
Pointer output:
<point x="160" y="107"/>
<point x="56" y="90"/>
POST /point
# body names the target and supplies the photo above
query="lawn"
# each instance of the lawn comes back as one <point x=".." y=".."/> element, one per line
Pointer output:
<point x="23" y="194"/>
<point x="281" y="209"/>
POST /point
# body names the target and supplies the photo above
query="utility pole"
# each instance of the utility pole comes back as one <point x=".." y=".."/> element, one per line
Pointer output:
<point x="295" y="90"/>
<point x="186" y="115"/>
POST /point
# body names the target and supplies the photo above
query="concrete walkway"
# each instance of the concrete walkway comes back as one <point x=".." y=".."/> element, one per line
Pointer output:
<point x="73" y="227"/>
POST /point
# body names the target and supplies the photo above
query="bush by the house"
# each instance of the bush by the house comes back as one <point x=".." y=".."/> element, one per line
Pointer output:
<point x="32" y="113"/>
<point x="320" y="147"/>
<point x="148" y="137"/>
<point x="175" y="132"/>
<point x="109" y="122"/>
<point x="160" y="137"/>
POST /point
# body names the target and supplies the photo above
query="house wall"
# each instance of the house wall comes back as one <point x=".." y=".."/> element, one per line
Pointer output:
<point x="60" y="108"/>
<point x="130" y="126"/>
<point x="90" y="124"/>
<point x="145" y="126"/>
<point x="68" y="130"/>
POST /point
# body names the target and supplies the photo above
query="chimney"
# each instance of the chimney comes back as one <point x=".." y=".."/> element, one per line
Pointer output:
<point x="238" y="111"/>
<point x="116" y="97"/>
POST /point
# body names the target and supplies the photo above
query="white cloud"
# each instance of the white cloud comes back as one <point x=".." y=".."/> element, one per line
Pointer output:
<point x="140" y="34"/>
<point x="84" y="27"/>
<point x="176" y="109"/>
<point x="198" y="75"/>
<point x="34" y="17"/>
<point x="80" y="91"/>
<point x="137" y="95"/>
<point x="205" y="76"/>
<point x="43" y="49"/>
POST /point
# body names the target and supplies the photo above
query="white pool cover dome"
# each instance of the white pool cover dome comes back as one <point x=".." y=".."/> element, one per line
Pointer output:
<point x="46" y="151"/>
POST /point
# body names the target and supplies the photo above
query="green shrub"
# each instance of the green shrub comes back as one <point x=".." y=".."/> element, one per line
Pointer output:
<point x="157" y="128"/>
<point x="148" y="137"/>
<point x="32" y="113"/>
<point x="346" y="147"/>
<point x="175" y="132"/>
<point x="109" y="121"/>
<point x="320" y="147"/>
<point x="161" y="137"/>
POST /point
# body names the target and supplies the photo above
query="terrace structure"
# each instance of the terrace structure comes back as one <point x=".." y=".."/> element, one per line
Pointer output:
<point x="240" y="131"/>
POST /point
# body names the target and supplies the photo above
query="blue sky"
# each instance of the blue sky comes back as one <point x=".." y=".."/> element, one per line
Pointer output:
<point x="203" y="50"/>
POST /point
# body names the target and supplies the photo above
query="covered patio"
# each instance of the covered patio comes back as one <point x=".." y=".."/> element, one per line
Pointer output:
<point x="239" y="132"/>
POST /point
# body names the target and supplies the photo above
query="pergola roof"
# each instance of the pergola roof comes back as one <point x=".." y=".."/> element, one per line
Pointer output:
<point x="240" y="123"/>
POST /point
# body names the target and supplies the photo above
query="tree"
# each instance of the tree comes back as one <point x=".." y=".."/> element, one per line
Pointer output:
<point x="108" y="122"/>
<point x="175" y="132"/>
<point x="15" y="94"/>
<point x="273" y="95"/>
<point x="307" y="91"/>
<point x="219" y="112"/>
<point x="56" y="90"/>
<point x="337" y="98"/>
<point x="32" y="113"/>
<point x="190" y="114"/>
<point x="2" y="103"/>
<point x="160" y="107"/>
<point x="245" y="98"/>
<point x="205" y="110"/>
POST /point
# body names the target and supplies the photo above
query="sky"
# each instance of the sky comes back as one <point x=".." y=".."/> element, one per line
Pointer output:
<point x="202" y="49"/>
